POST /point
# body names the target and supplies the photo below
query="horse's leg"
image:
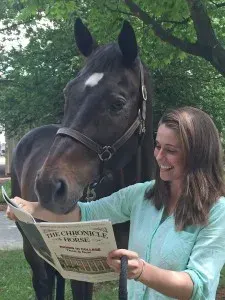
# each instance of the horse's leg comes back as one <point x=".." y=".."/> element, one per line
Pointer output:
<point x="84" y="290"/>
<point x="43" y="280"/>
<point x="51" y="279"/>
<point x="81" y="290"/>
<point x="60" y="287"/>
<point x="55" y="277"/>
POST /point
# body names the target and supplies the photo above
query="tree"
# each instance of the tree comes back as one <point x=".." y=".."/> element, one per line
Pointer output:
<point x="195" y="27"/>
<point x="191" y="83"/>
<point x="34" y="78"/>
<point x="198" y="16"/>
<point x="181" y="76"/>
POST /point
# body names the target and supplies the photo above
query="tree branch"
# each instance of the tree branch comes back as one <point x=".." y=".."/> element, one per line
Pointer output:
<point x="202" y="23"/>
<point x="14" y="26"/>
<point x="161" y="32"/>
<point x="206" y="36"/>
<point x="117" y="10"/>
<point x="6" y="81"/>
<point x="12" y="82"/>
<point x="185" y="21"/>
<point x="218" y="5"/>
<point x="207" y="45"/>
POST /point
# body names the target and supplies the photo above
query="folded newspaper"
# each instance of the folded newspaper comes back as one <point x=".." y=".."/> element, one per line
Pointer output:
<point x="76" y="250"/>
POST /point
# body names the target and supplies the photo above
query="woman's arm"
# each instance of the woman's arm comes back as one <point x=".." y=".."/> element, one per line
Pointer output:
<point x="208" y="255"/>
<point x="200" y="278"/>
<point x="38" y="212"/>
<point x="116" y="207"/>
<point x="173" y="284"/>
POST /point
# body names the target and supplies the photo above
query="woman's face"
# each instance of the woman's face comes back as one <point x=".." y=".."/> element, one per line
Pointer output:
<point x="169" y="155"/>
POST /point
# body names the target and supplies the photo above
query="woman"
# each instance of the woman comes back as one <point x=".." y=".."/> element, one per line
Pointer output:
<point x="177" y="232"/>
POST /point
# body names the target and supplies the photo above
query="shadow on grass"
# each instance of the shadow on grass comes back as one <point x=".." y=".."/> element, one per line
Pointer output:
<point x="15" y="280"/>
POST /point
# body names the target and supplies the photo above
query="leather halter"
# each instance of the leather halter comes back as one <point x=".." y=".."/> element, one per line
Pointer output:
<point x="106" y="152"/>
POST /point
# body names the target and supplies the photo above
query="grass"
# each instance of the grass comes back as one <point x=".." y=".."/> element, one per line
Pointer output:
<point x="7" y="186"/>
<point x="15" y="280"/>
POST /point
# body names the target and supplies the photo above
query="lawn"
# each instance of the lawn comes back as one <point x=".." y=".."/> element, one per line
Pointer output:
<point x="7" y="186"/>
<point x="15" y="280"/>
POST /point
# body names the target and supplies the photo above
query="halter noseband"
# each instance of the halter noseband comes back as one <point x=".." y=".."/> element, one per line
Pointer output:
<point x="105" y="153"/>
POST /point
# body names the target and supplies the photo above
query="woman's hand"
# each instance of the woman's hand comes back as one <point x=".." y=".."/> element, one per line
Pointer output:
<point x="135" y="264"/>
<point x="30" y="207"/>
<point x="39" y="212"/>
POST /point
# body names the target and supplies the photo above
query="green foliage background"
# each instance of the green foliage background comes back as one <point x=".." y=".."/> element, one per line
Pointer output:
<point x="33" y="78"/>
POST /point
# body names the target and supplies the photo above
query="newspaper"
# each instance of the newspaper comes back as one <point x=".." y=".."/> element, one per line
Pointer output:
<point x="76" y="250"/>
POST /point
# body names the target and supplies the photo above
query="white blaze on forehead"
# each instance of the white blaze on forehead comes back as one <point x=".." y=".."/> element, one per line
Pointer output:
<point x="94" y="79"/>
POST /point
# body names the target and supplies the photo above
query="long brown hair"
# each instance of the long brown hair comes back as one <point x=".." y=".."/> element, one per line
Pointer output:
<point x="204" y="180"/>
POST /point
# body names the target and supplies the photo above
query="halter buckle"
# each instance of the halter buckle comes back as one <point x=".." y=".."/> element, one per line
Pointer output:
<point x="142" y="128"/>
<point x="91" y="194"/>
<point x="106" y="154"/>
<point x="144" y="92"/>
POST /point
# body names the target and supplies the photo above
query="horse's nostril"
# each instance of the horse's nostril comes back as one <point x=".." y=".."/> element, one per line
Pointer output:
<point x="60" y="188"/>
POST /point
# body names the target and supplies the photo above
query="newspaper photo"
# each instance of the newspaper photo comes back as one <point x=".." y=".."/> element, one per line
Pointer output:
<point x="78" y="250"/>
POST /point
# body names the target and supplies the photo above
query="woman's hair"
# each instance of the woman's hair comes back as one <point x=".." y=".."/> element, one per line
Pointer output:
<point x="204" y="179"/>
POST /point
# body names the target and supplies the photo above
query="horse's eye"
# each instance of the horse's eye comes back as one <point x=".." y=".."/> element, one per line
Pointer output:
<point x="117" y="105"/>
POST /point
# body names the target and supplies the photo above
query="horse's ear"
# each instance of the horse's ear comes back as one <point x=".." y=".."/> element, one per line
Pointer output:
<point x="128" y="43"/>
<point x="84" y="40"/>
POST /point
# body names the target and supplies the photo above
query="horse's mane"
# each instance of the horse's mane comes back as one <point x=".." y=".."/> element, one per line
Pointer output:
<point x="106" y="58"/>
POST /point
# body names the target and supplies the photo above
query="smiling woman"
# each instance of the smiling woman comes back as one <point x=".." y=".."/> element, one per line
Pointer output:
<point x="189" y="155"/>
<point x="169" y="155"/>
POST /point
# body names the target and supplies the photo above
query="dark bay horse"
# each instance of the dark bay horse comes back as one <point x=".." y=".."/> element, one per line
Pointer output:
<point x="103" y="144"/>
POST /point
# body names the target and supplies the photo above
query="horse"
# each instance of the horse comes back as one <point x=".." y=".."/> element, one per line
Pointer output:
<point x="104" y="143"/>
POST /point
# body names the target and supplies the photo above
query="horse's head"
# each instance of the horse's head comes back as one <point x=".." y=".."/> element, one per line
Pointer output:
<point x="101" y="104"/>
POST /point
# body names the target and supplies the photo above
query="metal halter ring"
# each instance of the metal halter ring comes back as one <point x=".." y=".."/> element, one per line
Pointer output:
<point x="106" y="154"/>
<point x="144" y="92"/>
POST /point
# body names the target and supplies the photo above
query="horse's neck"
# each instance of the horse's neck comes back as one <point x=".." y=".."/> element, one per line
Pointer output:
<point x="117" y="179"/>
<point x="129" y="173"/>
<point x="138" y="169"/>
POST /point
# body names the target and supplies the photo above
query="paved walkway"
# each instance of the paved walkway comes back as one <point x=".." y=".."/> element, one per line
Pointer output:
<point x="10" y="237"/>
<point x="2" y="165"/>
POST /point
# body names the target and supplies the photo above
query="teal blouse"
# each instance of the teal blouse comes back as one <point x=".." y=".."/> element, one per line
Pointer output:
<point x="197" y="250"/>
